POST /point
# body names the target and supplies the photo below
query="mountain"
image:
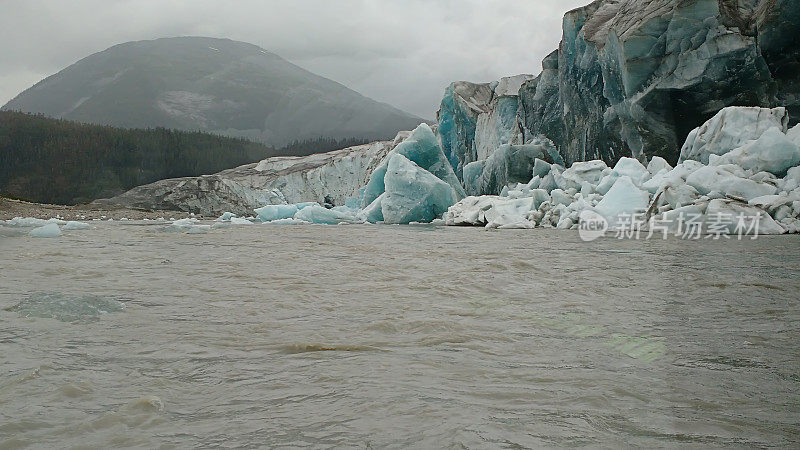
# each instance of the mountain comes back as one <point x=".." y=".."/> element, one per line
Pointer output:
<point x="56" y="161"/>
<point x="214" y="85"/>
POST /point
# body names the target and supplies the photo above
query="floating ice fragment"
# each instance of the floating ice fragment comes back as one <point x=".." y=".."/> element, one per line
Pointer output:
<point x="25" y="222"/>
<point x="315" y="213"/>
<point x="240" y="221"/>
<point x="287" y="222"/>
<point x="73" y="225"/>
<point x="270" y="213"/>
<point x="65" y="307"/>
<point x="50" y="230"/>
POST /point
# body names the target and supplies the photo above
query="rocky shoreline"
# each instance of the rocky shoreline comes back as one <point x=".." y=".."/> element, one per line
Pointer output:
<point x="10" y="208"/>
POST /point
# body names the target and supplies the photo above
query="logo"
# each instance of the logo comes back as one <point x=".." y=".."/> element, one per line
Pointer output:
<point x="591" y="225"/>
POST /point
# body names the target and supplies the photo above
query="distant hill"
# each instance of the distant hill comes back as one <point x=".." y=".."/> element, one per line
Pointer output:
<point x="215" y="85"/>
<point x="56" y="161"/>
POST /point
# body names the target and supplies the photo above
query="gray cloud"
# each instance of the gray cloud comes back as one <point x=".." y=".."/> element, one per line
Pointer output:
<point x="403" y="52"/>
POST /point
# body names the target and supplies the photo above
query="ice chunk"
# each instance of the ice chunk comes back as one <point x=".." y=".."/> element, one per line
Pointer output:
<point x="50" y="230"/>
<point x="422" y="148"/>
<point x="185" y="222"/>
<point x="676" y="219"/>
<point x="679" y="195"/>
<point x="470" y="210"/>
<point x="73" y="225"/>
<point x="605" y="184"/>
<point x="66" y="307"/>
<point x="717" y="179"/>
<point x="227" y="215"/>
<point x="772" y="152"/>
<point x="731" y="128"/>
<point x="26" y="222"/>
<point x="240" y="221"/>
<point x="189" y="225"/>
<point x="791" y="181"/>
<point x="509" y="222"/>
<point x="632" y="169"/>
<point x="559" y="197"/>
<point x="624" y="198"/>
<point x="316" y="213"/>
<point x="495" y="212"/>
<point x="657" y="164"/>
<point x="768" y="202"/>
<point x="269" y="213"/>
<point x="589" y="171"/>
<point x="674" y="177"/>
<point x="197" y="229"/>
<point x="794" y="135"/>
<point x="734" y="217"/>
<point x="287" y="222"/>
<point x="540" y="168"/>
<point x="513" y="210"/>
<point x="412" y="193"/>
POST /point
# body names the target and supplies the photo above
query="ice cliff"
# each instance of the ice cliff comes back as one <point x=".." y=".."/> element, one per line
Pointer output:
<point x="750" y="171"/>
<point x="631" y="78"/>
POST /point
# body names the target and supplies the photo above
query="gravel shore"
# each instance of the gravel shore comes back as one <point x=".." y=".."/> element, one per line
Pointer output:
<point x="10" y="208"/>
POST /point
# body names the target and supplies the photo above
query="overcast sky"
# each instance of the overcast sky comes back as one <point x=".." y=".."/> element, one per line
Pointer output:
<point x="403" y="52"/>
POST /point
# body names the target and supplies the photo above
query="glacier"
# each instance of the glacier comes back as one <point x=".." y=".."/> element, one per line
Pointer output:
<point x="646" y="108"/>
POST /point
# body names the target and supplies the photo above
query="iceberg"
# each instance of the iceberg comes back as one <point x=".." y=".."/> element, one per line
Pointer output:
<point x="413" y="194"/>
<point x="422" y="148"/>
<point x="51" y="230"/>
<point x="410" y="180"/>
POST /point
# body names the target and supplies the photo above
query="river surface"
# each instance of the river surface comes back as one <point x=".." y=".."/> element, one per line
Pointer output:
<point x="396" y="337"/>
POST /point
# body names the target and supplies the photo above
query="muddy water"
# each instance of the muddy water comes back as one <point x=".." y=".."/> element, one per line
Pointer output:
<point x="389" y="336"/>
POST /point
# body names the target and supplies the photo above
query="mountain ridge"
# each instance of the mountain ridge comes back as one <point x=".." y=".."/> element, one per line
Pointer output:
<point x="214" y="85"/>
